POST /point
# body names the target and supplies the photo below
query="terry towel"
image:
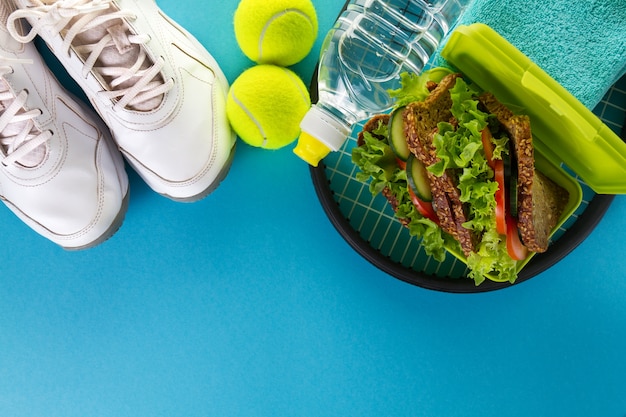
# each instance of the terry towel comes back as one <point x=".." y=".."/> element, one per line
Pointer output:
<point x="580" y="43"/>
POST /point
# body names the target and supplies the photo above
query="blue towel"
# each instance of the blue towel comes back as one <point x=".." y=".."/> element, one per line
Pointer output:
<point x="580" y="43"/>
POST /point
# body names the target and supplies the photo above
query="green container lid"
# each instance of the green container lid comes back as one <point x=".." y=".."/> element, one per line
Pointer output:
<point x="564" y="130"/>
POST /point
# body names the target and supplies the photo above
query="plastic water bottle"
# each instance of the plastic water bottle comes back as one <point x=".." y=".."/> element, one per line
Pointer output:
<point x="362" y="57"/>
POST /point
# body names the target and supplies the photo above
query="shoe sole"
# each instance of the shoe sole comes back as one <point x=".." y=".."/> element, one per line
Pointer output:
<point x="115" y="226"/>
<point x="218" y="180"/>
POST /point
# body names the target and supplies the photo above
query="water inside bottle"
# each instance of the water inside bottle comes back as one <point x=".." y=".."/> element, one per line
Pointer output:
<point x="375" y="41"/>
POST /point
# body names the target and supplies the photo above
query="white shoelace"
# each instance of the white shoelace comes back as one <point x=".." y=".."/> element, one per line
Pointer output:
<point x="19" y="135"/>
<point x="129" y="86"/>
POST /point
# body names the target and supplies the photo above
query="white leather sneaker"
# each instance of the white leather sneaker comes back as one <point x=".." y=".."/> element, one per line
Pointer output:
<point x="59" y="169"/>
<point x="157" y="88"/>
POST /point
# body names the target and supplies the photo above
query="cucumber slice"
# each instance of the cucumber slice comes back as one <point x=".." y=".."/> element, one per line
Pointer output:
<point x="397" y="139"/>
<point x="417" y="178"/>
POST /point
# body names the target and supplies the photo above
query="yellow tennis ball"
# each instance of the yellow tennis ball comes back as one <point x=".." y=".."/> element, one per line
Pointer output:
<point x="266" y="104"/>
<point x="280" y="32"/>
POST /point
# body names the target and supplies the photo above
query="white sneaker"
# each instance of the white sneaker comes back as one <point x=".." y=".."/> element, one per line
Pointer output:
<point x="157" y="88"/>
<point x="59" y="170"/>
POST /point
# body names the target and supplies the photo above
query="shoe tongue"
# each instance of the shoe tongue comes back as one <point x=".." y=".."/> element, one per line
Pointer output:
<point x="120" y="54"/>
<point x="32" y="158"/>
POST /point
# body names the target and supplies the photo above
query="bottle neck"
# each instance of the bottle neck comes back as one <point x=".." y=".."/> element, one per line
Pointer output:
<point x="328" y="127"/>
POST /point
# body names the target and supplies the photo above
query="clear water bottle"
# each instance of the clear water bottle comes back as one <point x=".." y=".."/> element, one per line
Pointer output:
<point x="362" y="57"/>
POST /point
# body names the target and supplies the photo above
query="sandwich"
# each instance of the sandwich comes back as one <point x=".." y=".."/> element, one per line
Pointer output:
<point x="458" y="168"/>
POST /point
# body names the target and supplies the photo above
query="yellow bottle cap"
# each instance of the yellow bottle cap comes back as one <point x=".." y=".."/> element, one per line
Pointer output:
<point x="310" y="149"/>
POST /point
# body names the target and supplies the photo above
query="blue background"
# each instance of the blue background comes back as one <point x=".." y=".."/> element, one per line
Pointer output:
<point x="249" y="303"/>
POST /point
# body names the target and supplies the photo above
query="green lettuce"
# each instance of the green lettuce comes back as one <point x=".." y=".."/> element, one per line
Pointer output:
<point x="413" y="87"/>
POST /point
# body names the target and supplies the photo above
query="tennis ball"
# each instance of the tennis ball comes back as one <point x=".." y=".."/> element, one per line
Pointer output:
<point x="266" y="104"/>
<point x="280" y="32"/>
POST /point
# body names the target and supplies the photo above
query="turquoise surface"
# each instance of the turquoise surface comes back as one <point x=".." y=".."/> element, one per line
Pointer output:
<point x="249" y="303"/>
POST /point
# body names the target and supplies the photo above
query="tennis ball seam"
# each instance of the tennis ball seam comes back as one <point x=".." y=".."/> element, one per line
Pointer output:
<point x="252" y="118"/>
<point x="274" y="18"/>
<point x="296" y="81"/>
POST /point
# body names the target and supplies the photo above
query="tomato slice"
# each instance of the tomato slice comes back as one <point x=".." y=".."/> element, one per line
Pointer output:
<point x="498" y="167"/>
<point x="425" y="208"/>
<point x="401" y="163"/>
<point x="514" y="246"/>
<point x="501" y="223"/>
<point x="488" y="146"/>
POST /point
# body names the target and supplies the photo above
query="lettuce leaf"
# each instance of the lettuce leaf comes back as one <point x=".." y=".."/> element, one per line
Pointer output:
<point x="413" y="86"/>
<point x="492" y="258"/>
<point x="377" y="161"/>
